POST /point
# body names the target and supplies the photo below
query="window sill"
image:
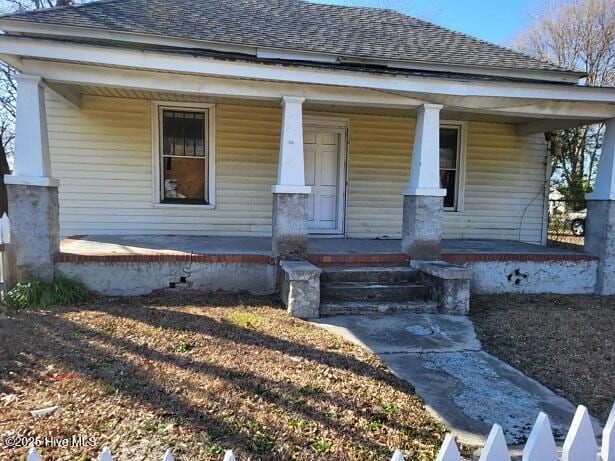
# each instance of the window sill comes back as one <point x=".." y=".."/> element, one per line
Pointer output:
<point x="189" y="206"/>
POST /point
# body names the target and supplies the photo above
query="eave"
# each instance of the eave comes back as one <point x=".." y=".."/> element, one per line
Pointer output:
<point x="532" y="106"/>
<point x="29" y="28"/>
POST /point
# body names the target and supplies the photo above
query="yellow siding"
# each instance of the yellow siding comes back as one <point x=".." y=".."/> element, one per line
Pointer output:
<point x="504" y="186"/>
<point x="378" y="169"/>
<point x="102" y="155"/>
<point x="505" y="175"/>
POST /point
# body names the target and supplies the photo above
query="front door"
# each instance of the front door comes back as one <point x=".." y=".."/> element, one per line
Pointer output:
<point x="324" y="173"/>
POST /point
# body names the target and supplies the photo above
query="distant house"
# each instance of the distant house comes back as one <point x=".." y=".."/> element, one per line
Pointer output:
<point x="281" y="120"/>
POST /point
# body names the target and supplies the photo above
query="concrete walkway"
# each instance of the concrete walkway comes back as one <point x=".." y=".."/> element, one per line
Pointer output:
<point x="463" y="386"/>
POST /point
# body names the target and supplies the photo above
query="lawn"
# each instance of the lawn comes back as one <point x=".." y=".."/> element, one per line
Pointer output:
<point x="201" y="374"/>
<point x="565" y="342"/>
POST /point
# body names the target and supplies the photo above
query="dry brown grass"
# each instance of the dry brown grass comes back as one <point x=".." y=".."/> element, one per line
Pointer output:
<point x="565" y="342"/>
<point x="199" y="374"/>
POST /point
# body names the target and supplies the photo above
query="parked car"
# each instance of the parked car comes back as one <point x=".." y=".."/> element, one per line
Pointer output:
<point x="576" y="222"/>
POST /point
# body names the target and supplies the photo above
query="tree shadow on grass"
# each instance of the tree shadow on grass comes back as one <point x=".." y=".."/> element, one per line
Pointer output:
<point x="186" y="321"/>
<point x="283" y="394"/>
<point x="82" y="357"/>
<point x="105" y="356"/>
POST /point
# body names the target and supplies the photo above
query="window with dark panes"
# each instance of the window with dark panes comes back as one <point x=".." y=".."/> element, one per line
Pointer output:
<point x="449" y="164"/>
<point x="184" y="157"/>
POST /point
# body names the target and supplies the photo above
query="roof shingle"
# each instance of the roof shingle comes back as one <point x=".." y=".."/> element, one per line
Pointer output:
<point x="296" y="25"/>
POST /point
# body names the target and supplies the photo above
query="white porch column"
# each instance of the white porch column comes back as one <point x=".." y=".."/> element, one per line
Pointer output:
<point x="32" y="192"/>
<point x="291" y="169"/>
<point x="290" y="193"/>
<point x="600" y="222"/>
<point x="423" y="197"/>
<point x="604" y="189"/>
<point x="31" y="144"/>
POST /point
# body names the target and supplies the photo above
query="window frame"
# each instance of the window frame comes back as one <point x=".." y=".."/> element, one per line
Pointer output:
<point x="460" y="172"/>
<point x="210" y="115"/>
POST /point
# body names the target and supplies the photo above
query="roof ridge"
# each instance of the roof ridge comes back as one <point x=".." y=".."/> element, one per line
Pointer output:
<point x="354" y="7"/>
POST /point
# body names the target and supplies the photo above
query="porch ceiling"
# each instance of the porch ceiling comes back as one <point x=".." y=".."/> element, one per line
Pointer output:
<point x="223" y="76"/>
<point x="486" y="114"/>
<point x="534" y="107"/>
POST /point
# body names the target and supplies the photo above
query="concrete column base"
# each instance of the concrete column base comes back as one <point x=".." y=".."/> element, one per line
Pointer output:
<point x="290" y="235"/>
<point x="35" y="232"/>
<point x="450" y="285"/>
<point x="422" y="227"/>
<point x="600" y="242"/>
<point x="300" y="288"/>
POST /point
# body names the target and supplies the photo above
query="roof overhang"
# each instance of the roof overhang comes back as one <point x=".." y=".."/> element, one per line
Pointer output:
<point x="45" y="30"/>
<point x="531" y="105"/>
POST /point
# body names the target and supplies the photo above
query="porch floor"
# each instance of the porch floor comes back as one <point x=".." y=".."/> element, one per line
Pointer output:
<point x="318" y="248"/>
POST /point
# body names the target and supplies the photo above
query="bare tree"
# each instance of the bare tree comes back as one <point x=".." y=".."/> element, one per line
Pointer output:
<point x="575" y="34"/>
<point x="25" y="5"/>
<point x="8" y="95"/>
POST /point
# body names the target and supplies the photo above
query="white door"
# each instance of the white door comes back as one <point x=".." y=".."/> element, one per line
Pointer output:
<point x="323" y="168"/>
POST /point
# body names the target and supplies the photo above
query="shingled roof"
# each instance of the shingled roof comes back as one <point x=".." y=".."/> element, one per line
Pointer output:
<point x="351" y="32"/>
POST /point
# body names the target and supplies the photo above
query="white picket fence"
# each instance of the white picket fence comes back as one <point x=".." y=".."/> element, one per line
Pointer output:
<point x="5" y="238"/>
<point x="580" y="444"/>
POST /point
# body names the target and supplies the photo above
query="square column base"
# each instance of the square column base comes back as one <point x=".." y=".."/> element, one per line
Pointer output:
<point x="422" y="227"/>
<point x="300" y="288"/>
<point x="290" y="234"/>
<point x="35" y="232"/>
<point x="600" y="242"/>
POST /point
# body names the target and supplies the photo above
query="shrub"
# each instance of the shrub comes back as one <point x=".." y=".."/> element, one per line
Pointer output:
<point x="185" y="347"/>
<point x="322" y="446"/>
<point x="35" y="293"/>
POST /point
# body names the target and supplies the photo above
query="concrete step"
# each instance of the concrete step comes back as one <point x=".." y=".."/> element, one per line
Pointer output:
<point x="367" y="291"/>
<point x="384" y="307"/>
<point x="368" y="274"/>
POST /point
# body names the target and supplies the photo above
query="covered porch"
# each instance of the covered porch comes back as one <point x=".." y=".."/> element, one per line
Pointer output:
<point x="115" y="264"/>
<point x="424" y="168"/>
<point x="320" y="249"/>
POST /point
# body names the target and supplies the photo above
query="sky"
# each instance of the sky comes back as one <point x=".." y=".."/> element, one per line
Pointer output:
<point x="496" y="21"/>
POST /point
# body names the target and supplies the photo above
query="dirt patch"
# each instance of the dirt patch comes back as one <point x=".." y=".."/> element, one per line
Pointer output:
<point x="201" y="374"/>
<point x="565" y="342"/>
